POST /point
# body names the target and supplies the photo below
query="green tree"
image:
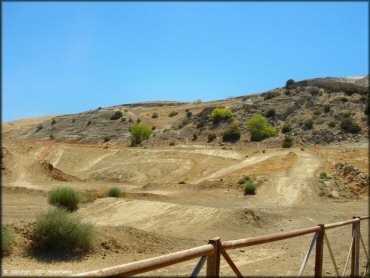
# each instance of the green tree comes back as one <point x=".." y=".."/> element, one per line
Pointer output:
<point x="290" y="82"/>
<point x="260" y="128"/>
<point x="139" y="133"/>
<point x="219" y="114"/>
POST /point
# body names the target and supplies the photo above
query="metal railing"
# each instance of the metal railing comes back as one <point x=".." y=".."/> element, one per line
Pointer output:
<point x="212" y="252"/>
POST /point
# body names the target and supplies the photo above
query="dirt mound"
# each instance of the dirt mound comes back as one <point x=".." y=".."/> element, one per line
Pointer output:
<point x="352" y="177"/>
<point x="48" y="171"/>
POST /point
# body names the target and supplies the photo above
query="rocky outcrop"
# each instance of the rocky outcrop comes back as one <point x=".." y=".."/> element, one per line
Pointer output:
<point x="352" y="175"/>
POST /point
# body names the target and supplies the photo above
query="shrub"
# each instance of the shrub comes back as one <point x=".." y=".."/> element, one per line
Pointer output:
<point x="138" y="120"/>
<point x="64" y="197"/>
<point x="172" y="143"/>
<point x="58" y="232"/>
<point x="197" y="101"/>
<point x="7" y="240"/>
<point x="244" y="179"/>
<point x="182" y="182"/>
<point x="332" y="124"/>
<point x="139" y="133"/>
<point x="270" y="113"/>
<point x="172" y="114"/>
<point x="220" y="114"/>
<point x="348" y="126"/>
<point x="53" y="122"/>
<point x="288" y="141"/>
<point x="115" y="192"/>
<point x="89" y="123"/>
<point x="366" y="111"/>
<point x="106" y="138"/>
<point x="39" y="127"/>
<point x="116" y="115"/>
<point x="51" y="137"/>
<point x="327" y="108"/>
<point x="155" y="115"/>
<point x="324" y="176"/>
<point x="211" y="136"/>
<point x="287" y="92"/>
<point x="231" y="135"/>
<point x="289" y="82"/>
<point x="189" y="114"/>
<point x="270" y="95"/>
<point x="308" y="124"/>
<point x="286" y="128"/>
<point x="344" y="99"/>
<point x="249" y="188"/>
<point x="260" y="128"/>
<point x="347" y="114"/>
<point x="195" y="137"/>
<point x="200" y="124"/>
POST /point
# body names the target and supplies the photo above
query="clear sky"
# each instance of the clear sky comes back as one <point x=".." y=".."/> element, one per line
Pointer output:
<point x="64" y="57"/>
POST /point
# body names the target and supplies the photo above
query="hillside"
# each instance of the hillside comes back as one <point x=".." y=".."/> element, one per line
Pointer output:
<point x="325" y="101"/>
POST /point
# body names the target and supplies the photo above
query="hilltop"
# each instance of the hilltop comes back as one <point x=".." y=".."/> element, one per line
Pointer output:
<point x="325" y="101"/>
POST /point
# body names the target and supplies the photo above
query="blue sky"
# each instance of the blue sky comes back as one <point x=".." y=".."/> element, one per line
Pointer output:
<point x="61" y="57"/>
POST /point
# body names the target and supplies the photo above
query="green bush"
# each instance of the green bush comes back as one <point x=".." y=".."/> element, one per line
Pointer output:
<point x="231" y="135"/>
<point x="327" y="108"/>
<point x="139" y="132"/>
<point x="260" y="128"/>
<point x="348" y="126"/>
<point x="249" y="188"/>
<point x="200" y="124"/>
<point x="65" y="197"/>
<point x="39" y="127"/>
<point x="172" y="143"/>
<point x="288" y="141"/>
<point x="51" y="137"/>
<point x="7" y="240"/>
<point x="61" y="233"/>
<point x="324" y="176"/>
<point x="189" y="114"/>
<point x="271" y="113"/>
<point x="270" y="95"/>
<point x="155" y="115"/>
<point x="53" y="122"/>
<point x="286" y="128"/>
<point x="344" y="99"/>
<point x="172" y="114"/>
<point x="289" y="82"/>
<point x="116" y="115"/>
<point x="308" y="124"/>
<point x="211" y="136"/>
<point x="220" y="114"/>
<point x="244" y="179"/>
<point x="115" y="192"/>
<point x="287" y="93"/>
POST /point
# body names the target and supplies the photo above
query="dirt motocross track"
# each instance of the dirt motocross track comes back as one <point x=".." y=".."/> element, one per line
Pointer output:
<point x="179" y="197"/>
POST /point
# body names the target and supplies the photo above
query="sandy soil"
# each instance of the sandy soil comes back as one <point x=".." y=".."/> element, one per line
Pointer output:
<point x="161" y="215"/>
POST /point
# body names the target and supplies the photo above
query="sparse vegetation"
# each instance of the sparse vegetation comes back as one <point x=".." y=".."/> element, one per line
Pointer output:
<point x="344" y="99"/>
<point x="308" y="124"/>
<point x="211" y="136"/>
<point x="287" y="92"/>
<point x="51" y="137"/>
<point x="249" y="188"/>
<point x="271" y="113"/>
<point x="172" y="114"/>
<point x="195" y="137"/>
<point x="260" y="128"/>
<point x="115" y="192"/>
<point x="189" y="114"/>
<point x="172" y="143"/>
<point x="349" y="126"/>
<point x="286" y="128"/>
<point x="116" y="115"/>
<point x="139" y="133"/>
<point x="106" y="138"/>
<point x="53" y="122"/>
<point x="220" y="114"/>
<point x="244" y="179"/>
<point x="89" y="123"/>
<point x="200" y="124"/>
<point x="270" y="95"/>
<point x="155" y="115"/>
<point x="65" y="198"/>
<point x="7" y="240"/>
<point x="60" y="233"/>
<point x="39" y="127"/>
<point x="332" y="124"/>
<point x="288" y="142"/>
<point x="327" y="108"/>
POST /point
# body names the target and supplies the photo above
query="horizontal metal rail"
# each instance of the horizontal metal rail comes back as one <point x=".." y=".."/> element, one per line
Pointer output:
<point x="339" y="224"/>
<point x="233" y="244"/>
<point x="151" y="264"/>
<point x="146" y="265"/>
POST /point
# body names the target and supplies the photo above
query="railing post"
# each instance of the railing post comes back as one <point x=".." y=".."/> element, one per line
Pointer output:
<point x="319" y="251"/>
<point x="213" y="261"/>
<point x="355" y="258"/>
